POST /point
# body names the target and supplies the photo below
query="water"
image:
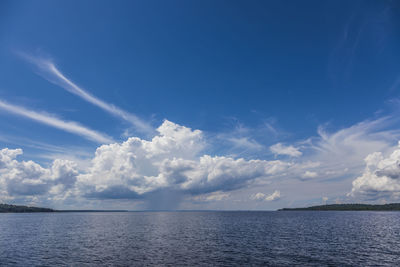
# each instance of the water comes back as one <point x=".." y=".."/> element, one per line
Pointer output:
<point x="201" y="238"/>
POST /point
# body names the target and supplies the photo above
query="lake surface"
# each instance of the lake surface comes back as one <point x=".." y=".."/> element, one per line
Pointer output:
<point x="289" y="238"/>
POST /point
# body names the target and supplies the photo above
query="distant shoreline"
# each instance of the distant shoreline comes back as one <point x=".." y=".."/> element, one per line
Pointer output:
<point x="7" y="208"/>
<point x="348" y="207"/>
<point x="91" y="210"/>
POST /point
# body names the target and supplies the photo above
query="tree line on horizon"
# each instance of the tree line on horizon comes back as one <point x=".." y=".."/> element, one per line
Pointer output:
<point x="4" y="208"/>
<point x="350" y="207"/>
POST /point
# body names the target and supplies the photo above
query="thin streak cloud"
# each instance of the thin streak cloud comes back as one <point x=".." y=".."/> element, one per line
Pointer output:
<point x="51" y="120"/>
<point x="51" y="73"/>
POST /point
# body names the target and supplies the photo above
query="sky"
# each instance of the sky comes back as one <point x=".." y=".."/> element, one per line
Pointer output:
<point x="222" y="105"/>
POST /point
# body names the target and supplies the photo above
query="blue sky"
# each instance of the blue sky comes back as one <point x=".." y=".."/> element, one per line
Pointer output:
<point x="279" y="103"/>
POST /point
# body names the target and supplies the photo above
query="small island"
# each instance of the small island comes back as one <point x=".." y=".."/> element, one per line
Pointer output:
<point x="6" y="208"/>
<point x="349" y="207"/>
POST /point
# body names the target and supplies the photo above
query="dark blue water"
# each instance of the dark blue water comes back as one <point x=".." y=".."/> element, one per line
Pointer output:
<point x="201" y="238"/>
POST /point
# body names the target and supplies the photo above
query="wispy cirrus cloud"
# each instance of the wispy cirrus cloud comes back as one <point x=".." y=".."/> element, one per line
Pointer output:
<point x="50" y="72"/>
<point x="340" y="154"/>
<point x="52" y="120"/>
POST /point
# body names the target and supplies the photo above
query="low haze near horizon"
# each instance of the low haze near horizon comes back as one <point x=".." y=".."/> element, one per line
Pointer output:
<point x="199" y="104"/>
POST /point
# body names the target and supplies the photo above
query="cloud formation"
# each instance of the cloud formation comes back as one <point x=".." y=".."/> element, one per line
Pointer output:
<point x="245" y="143"/>
<point x="27" y="178"/>
<point x="173" y="166"/>
<point x="51" y="120"/>
<point x="171" y="163"/>
<point x="263" y="197"/>
<point x="280" y="149"/>
<point x="172" y="160"/>
<point x="341" y="153"/>
<point x="51" y="73"/>
<point x="381" y="177"/>
<point x="309" y="174"/>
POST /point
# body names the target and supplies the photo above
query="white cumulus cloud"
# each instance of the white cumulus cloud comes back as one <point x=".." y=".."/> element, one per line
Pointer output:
<point x="381" y="176"/>
<point x="172" y="160"/>
<point x="27" y="178"/>
<point x="174" y="165"/>
<point x="280" y="149"/>
<point x="263" y="197"/>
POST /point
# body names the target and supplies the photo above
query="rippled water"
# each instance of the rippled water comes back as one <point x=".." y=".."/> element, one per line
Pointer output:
<point x="201" y="238"/>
